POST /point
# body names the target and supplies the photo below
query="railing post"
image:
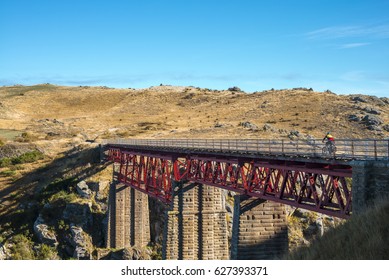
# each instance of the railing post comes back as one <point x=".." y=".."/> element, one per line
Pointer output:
<point x="375" y="149"/>
<point x="282" y="145"/>
<point x="352" y="148"/>
<point x="388" y="148"/>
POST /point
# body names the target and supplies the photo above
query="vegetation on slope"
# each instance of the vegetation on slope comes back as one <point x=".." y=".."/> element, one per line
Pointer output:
<point x="362" y="237"/>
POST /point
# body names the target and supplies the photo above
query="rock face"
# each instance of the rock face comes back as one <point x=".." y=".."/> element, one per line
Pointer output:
<point x="3" y="253"/>
<point x="78" y="214"/>
<point x="354" y="118"/>
<point x="83" y="190"/>
<point x="372" y="122"/>
<point x="359" y="99"/>
<point x="81" y="244"/>
<point x="44" y="233"/>
<point x="234" y="89"/>
<point x="249" y="125"/>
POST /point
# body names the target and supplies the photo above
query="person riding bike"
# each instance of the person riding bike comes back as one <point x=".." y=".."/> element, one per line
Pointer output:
<point x="330" y="141"/>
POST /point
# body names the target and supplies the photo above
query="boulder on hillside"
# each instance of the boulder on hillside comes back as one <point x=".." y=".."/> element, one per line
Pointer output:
<point x="44" y="233"/>
<point x="3" y="252"/>
<point x="249" y="125"/>
<point x="354" y="118"/>
<point x="359" y="99"/>
<point x="372" y="111"/>
<point x="268" y="127"/>
<point x="83" y="190"/>
<point x="81" y="244"/>
<point x="78" y="214"/>
<point x="235" y="89"/>
<point x="372" y="122"/>
<point x="293" y="134"/>
<point x="385" y="100"/>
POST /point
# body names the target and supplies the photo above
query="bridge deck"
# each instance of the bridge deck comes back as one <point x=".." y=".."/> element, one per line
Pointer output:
<point x="296" y="173"/>
<point x="346" y="149"/>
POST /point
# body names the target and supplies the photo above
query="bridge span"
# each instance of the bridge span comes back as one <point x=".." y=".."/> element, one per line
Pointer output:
<point x="297" y="173"/>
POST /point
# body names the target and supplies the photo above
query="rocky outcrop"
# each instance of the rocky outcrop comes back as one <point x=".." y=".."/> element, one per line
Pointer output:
<point x="81" y="243"/>
<point x="78" y="214"/>
<point x="135" y="253"/>
<point x="83" y="190"/>
<point x="250" y="126"/>
<point x="235" y="89"/>
<point x="372" y="122"/>
<point x="44" y="233"/>
<point x="3" y="252"/>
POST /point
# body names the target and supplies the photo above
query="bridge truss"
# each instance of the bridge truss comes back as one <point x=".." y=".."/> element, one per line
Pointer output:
<point x="317" y="186"/>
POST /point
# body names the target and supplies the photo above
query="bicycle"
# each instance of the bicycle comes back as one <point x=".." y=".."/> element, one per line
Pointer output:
<point x="329" y="148"/>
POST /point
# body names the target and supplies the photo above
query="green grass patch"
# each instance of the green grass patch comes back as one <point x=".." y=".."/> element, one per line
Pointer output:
<point x="7" y="173"/>
<point x="22" y="248"/>
<point x="9" y="134"/>
<point x="5" y="162"/>
<point x="28" y="157"/>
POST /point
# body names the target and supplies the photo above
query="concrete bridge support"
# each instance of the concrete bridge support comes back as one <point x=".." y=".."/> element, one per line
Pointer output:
<point x="259" y="229"/>
<point x="370" y="182"/>
<point x="196" y="227"/>
<point x="128" y="217"/>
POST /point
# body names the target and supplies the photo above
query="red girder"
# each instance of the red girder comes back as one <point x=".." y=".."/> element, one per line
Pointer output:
<point x="321" y="188"/>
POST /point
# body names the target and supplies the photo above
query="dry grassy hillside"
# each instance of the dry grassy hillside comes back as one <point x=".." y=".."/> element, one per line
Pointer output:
<point x="46" y="151"/>
<point x="188" y="112"/>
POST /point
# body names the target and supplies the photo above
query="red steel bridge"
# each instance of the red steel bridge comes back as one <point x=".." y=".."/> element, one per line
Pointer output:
<point x="297" y="173"/>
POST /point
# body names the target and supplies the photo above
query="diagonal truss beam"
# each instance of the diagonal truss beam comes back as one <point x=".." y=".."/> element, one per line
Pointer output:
<point x="324" y="188"/>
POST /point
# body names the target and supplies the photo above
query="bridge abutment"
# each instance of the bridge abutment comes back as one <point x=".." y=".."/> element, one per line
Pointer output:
<point x="196" y="227"/>
<point x="370" y="182"/>
<point x="259" y="229"/>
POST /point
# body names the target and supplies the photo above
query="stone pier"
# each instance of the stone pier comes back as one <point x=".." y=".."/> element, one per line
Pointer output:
<point x="196" y="227"/>
<point x="128" y="217"/>
<point x="259" y="229"/>
<point x="370" y="182"/>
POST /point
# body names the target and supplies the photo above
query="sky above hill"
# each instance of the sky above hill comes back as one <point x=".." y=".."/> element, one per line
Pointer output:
<point x="340" y="45"/>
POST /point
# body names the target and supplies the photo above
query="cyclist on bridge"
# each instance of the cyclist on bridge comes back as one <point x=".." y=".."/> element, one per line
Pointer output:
<point x="330" y="140"/>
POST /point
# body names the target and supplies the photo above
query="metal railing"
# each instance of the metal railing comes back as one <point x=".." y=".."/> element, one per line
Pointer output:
<point x="366" y="149"/>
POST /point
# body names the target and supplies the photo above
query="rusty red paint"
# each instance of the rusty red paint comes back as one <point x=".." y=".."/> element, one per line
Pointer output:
<point x="318" y="187"/>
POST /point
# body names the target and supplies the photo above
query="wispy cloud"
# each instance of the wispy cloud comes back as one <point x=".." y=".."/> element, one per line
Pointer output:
<point x="353" y="76"/>
<point x="353" y="45"/>
<point x="336" y="32"/>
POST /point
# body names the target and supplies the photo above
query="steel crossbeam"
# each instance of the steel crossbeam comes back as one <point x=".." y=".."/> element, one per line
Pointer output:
<point x="319" y="187"/>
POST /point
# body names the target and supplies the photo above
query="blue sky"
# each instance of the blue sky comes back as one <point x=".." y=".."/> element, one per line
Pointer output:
<point x="340" y="45"/>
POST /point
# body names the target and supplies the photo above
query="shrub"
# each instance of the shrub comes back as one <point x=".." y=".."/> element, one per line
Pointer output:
<point x="22" y="248"/>
<point x="28" y="157"/>
<point x="5" y="162"/>
<point x="8" y="173"/>
<point x="46" y="252"/>
<point x="26" y="137"/>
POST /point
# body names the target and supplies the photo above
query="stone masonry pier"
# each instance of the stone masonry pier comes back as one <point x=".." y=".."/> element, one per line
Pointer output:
<point x="259" y="229"/>
<point x="128" y="217"/>
<point x="196" y="227"/>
